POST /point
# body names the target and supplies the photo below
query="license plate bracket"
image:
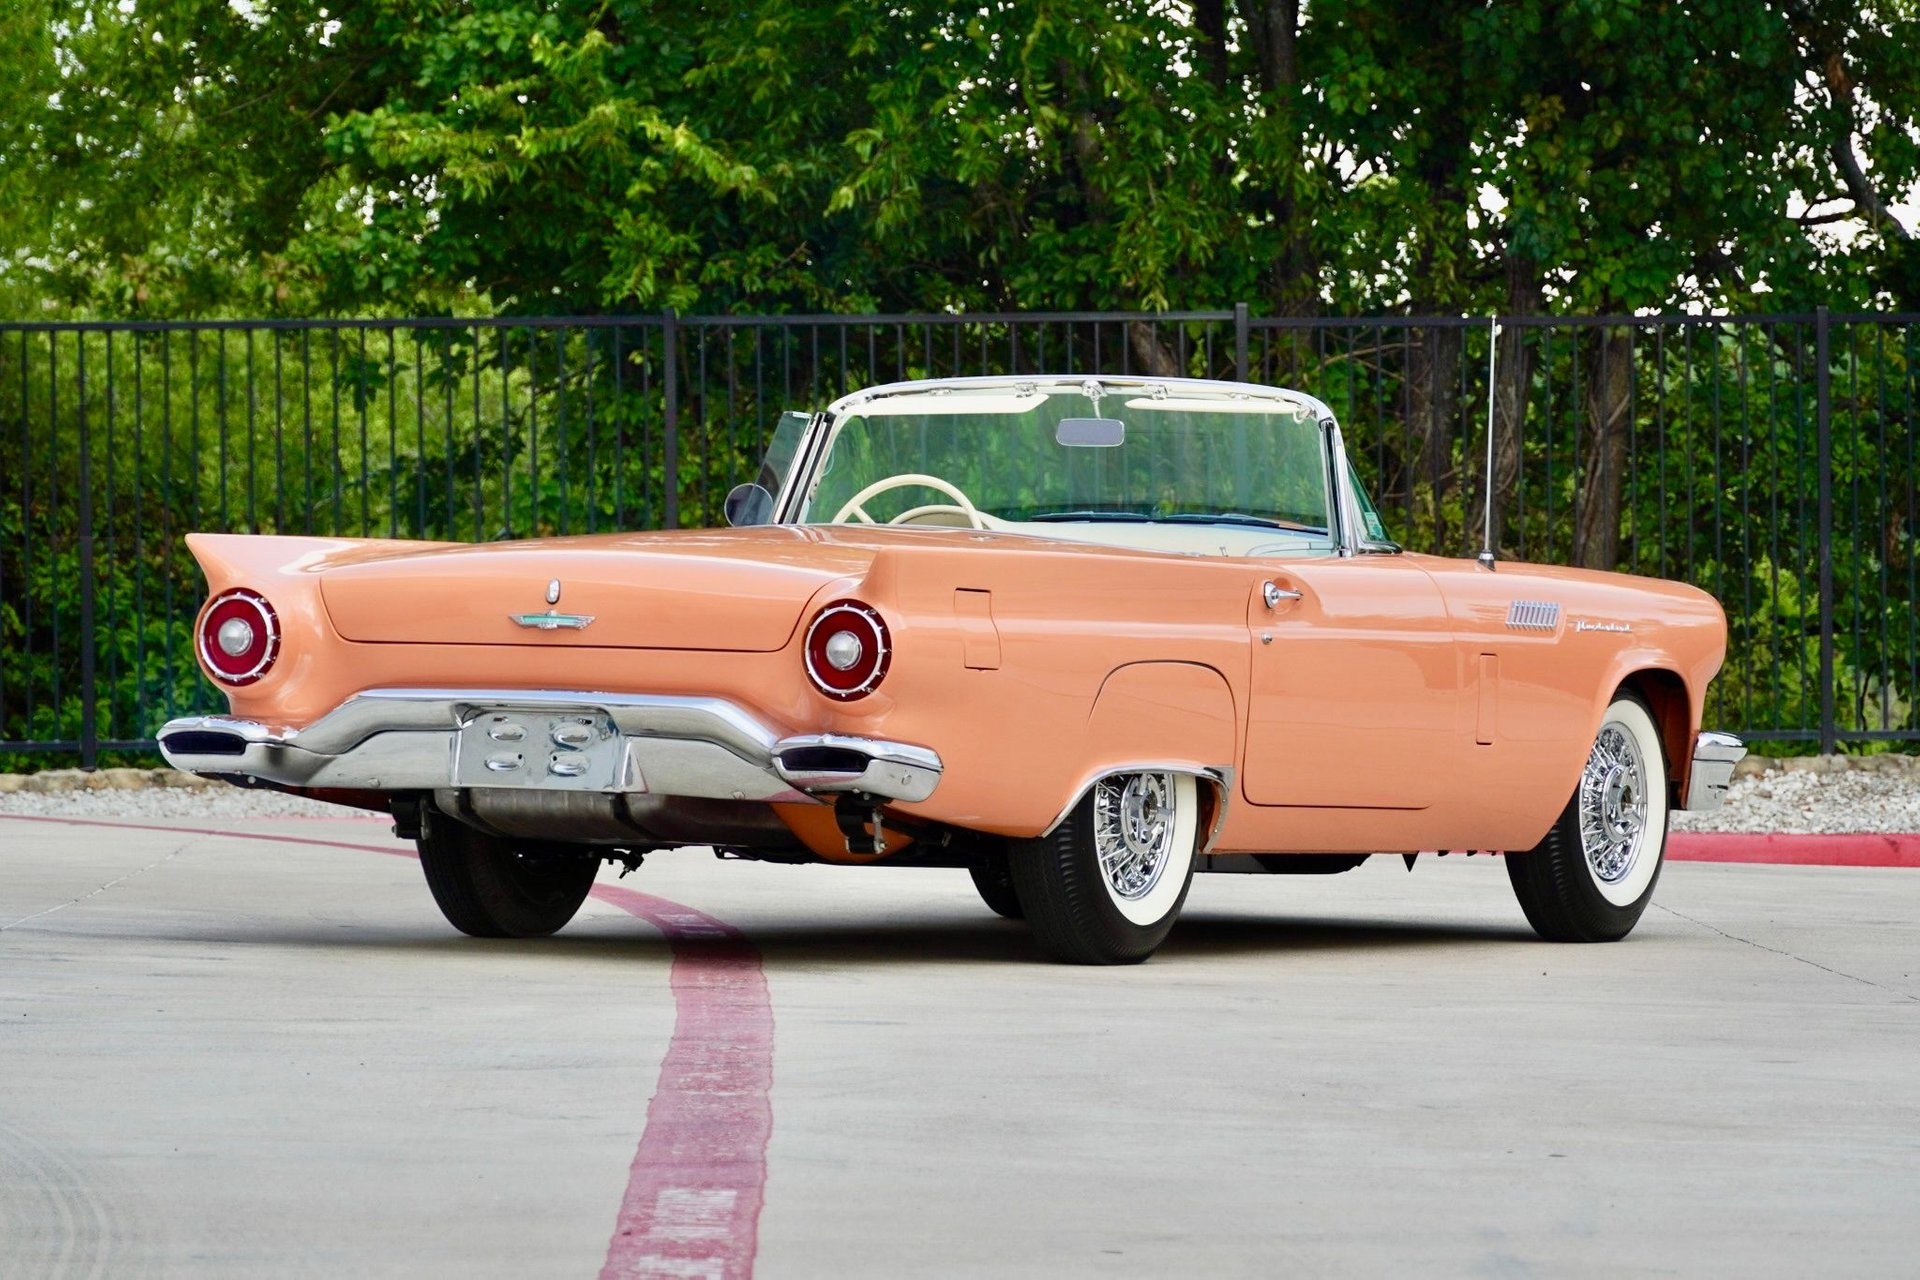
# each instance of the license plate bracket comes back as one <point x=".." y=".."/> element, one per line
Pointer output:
<point x="553" y="748"/>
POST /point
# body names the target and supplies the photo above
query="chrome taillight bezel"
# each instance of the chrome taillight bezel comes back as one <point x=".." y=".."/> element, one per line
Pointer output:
<point x="864" y="622"/>
<point x="245" y="668"/>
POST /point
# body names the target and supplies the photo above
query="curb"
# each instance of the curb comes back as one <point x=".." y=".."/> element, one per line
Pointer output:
<point x="1859" y="849"/>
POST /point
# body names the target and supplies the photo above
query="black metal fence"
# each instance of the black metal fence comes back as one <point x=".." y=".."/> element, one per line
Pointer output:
<point x="1770" y="459"/>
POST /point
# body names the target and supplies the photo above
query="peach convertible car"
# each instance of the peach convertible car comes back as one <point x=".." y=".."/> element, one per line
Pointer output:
<point x="1082" y="636"/>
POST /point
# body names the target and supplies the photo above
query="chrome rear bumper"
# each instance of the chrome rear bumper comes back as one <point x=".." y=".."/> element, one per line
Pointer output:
<point x="426" y="739"/>
<point x="1714" y="755"/>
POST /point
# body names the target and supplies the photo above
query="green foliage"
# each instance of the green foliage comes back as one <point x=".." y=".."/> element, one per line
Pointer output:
<point x="539" y="156"/>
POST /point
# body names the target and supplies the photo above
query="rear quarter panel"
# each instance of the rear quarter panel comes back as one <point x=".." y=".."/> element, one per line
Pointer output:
<point x="1105" y="660"/>
<point x="315" y="665"/>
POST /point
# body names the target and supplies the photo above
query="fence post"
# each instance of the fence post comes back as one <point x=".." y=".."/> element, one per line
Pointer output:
<point x="670" y="350"/>
<point x="89" y="726"/>
<point x="1240" y="370"/>
<point x="1823" y="401"/>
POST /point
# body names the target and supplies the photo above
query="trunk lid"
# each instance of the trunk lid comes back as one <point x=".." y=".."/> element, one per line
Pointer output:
<point x="739" y="590"/>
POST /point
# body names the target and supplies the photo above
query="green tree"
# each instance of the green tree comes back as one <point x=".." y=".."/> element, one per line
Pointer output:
<point x="183" y="156"/>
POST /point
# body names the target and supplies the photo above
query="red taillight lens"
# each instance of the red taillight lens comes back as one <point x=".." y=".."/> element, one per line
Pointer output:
<point x="847" y="650"/>
<point x="239" y="637"/>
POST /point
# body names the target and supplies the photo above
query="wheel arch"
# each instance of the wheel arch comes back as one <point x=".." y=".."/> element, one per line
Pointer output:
<point x="1215" y="786"/>
<point x="1162" y="717"/>
<point x="1666" y="694"/>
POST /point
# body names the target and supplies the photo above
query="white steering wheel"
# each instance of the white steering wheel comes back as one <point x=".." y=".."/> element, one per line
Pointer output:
<point x="962" y="506"/>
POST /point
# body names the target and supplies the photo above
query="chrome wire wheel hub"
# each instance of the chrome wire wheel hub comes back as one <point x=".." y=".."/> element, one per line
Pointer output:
<point x="1613" y="804"/>
<point x="1133" y="819"/>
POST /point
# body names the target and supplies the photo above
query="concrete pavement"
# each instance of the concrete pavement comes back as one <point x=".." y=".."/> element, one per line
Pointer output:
<point x="245" y="1056"/>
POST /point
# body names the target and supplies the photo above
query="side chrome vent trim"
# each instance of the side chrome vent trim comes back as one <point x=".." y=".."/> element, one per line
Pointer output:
<point x="1533" y="615"/>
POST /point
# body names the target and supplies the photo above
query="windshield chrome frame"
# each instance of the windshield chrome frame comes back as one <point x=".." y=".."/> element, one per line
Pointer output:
<point x="804" y="460"/>
<point x="1345" y="508"/>
<point x="1345" y="505"/>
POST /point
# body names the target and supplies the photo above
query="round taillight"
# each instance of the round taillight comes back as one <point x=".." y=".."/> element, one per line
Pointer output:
<point x="847" y="650"/>
<point x="239" y="637"/>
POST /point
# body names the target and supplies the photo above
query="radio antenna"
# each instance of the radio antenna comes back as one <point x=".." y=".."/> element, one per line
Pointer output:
<point x="1485" y="558"/>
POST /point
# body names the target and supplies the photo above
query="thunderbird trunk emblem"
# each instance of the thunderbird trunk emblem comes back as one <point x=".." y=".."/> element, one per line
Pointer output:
<point x="553" y="620"/>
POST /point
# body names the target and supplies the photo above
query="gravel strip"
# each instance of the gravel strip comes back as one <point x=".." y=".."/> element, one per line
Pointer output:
<point x="1808" y="803"/>
<point x="195" y="806"/>
<point x="1800" y="797"/>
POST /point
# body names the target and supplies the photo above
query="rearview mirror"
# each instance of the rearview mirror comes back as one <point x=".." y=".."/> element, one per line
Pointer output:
<point x="748" y="504"/>
<point x="1090" y="433"/>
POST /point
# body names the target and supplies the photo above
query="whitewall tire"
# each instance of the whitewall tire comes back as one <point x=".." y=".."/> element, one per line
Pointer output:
<point x="1107" y="884"/>
<point x="1593" y="875"/>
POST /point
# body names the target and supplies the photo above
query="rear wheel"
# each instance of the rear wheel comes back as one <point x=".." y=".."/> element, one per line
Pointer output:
<point x="490" y="888"/>
<point x="1106" y="885"/>
<point x="1593" y="875"/>
<point x="994" y="880"/>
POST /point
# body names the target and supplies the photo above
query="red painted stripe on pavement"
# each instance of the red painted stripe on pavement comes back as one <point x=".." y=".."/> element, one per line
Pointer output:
<point x="1871" y="849"/>
<point x="699" y="1175"/>
<point x="697" y="1182"/>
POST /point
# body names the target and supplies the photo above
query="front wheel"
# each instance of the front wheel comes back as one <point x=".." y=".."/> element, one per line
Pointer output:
<point x="1593" y="875"/>
<point x="1105" y="886"/>
<point x="487" y="887"/>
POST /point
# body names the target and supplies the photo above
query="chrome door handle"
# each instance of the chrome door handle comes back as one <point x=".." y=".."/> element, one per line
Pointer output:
<point x="1273" y="595"/>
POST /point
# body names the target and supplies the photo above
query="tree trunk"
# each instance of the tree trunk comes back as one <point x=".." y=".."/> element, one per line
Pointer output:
<point x="1210" y="42"/>
<point x="1609" y="403"/>
<point x="1433" y="378"/>
<point x="1153" y="355"/>
<point x="1273" y="35"/>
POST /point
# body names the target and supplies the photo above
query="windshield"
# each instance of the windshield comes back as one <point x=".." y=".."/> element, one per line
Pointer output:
<point x="1153" y="457"/>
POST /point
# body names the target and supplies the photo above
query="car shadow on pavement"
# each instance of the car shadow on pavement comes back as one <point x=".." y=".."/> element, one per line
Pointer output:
<point x="1201" y="934"/>
<point x="944" y="941"/>
<point x="936" y="940"/>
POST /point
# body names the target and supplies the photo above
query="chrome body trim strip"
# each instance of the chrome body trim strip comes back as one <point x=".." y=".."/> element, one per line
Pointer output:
<point x="1714" y="755"/>
<point x="407" y="740"/>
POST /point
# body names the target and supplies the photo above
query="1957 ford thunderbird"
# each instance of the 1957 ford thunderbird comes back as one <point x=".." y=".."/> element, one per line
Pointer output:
<point x="1080" y="636"/>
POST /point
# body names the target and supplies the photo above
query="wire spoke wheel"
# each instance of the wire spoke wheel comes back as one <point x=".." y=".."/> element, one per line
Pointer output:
<point x="1613" y="804"/>
<point x="1592" y="876"/>
<point x="1133" y="823"/>
<point x="1105" y="886"/>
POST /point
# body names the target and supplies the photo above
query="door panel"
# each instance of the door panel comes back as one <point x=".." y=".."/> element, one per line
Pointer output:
<point x="1354" y="692"/>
